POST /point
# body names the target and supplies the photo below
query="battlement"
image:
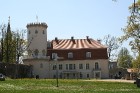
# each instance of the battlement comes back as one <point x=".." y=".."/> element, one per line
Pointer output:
<point x="37" y="24"/>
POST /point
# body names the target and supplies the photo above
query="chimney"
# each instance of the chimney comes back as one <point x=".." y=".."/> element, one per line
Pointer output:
<point x="56" y="38"/>
<point x="72" y="38"/>
<point x="99" y="41"/>
<point x="87" y="37"/>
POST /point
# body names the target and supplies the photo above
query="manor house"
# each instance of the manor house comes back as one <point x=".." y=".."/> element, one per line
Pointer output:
<point x="65" y="58"/>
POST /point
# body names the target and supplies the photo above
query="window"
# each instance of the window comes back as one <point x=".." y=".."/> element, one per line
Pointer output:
<point x="54" y="76"/>
<point x="87" y="75"/>
<point x="88" y="54"/>
<point x="81" y="75"/>
<point x="43" y="52"/>
<point x="74" y="66"/>
<point x="29" y="32"/>
<point x="41" y="65"/>
<point x="70" y="67"/>
<point x="49" y="44"/>
<point x="70" y="55"/>
<point x="54" y="67"/>
<point x="43" y="32"/>
<point x="87" y="66"/>
<point x="36" y="52"/>
<point x="80" y="66"/>
<point x="67" y="67"/>
<point x="54" y="55"/>
<point x="36" y="31"/>
<point x="74" y="75"/>
<point x="60" y="66"/>
<point x="96" y="65"/>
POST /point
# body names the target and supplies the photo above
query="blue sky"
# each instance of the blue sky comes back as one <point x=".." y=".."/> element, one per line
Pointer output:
<point x="66" y="18"/>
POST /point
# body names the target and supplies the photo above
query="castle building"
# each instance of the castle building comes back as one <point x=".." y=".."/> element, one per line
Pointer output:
<point x="65" y="58"/>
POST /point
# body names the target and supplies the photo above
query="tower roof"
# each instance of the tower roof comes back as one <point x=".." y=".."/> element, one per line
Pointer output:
<point x="37" y="24"/>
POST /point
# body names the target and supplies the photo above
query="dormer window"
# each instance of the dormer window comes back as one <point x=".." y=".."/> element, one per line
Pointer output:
<point x="70" y="55"/>
<point x="88" y="54"/>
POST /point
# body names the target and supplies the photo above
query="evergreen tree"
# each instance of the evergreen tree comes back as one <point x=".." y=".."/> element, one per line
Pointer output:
<point x="9" y="46"/>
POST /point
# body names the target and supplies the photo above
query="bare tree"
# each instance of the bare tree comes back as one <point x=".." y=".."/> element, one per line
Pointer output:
<point x="112" y="43"/>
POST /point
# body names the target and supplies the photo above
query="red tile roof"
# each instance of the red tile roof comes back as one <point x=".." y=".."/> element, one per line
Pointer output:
<point x="76" y="44"/>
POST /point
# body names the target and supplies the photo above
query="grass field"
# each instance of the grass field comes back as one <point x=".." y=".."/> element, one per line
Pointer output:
<point x="65" y="86"/>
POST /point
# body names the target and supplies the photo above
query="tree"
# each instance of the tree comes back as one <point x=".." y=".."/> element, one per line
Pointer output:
<point x="9" y="42"/>
<point x="112" y="43"/>
<point x="3" y="29"/>
<point x="12" y="44"/>
<point x="132" y="29"/>
<point x="136" y="62"/>
<point x="124" y="58"/>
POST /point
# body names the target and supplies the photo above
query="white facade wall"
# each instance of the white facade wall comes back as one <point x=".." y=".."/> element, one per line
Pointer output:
<point x="47" y="71"/>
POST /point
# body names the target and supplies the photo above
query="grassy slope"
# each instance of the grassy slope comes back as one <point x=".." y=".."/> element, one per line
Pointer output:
<point x="65" y="86"/>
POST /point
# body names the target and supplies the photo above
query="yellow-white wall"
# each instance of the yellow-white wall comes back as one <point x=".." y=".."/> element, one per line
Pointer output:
<point x="47" y="70"/>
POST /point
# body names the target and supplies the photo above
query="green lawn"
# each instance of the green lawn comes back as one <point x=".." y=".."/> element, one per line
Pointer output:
<point x="65" y="86"/>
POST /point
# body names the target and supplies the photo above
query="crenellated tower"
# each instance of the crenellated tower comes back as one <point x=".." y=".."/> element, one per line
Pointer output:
<point x="37" y="40"/>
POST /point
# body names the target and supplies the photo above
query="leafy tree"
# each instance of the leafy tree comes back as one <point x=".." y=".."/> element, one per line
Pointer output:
<point x="112" y="43"/>
<point x="124" y="58"/>
<point x="132" y="29"/>
<point x="136" y="62"/>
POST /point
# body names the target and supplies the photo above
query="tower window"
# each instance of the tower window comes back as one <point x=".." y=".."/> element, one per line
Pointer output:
<point x="43" y="52"/>
<point x="43" y="31"/>
<point x="29" y="32"/>
<point x="36" y="31"/>
<point x="36" y="52"/>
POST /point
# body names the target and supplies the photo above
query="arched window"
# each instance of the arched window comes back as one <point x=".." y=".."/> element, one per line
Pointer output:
<point x="29" y="32"/>
<point x="36" y="31"/>
<point x="36" y="52"/>
<point x="96" y="65"/>
<point x="43" y="52"/>
<point x="54" y="56"/>
<point x="43" y="32"/>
